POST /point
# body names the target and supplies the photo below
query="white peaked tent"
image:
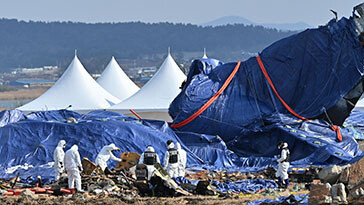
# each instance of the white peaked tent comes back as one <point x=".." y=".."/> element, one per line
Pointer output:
<point x="116" y="82"/>
<point x="154" y="97"/>
<point x="204" y="54"/>
<point x="76" y="88"/>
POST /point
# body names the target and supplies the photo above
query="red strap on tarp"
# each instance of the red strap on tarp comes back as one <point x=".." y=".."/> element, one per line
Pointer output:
<point x="136" y="114"/>
<point x="275" y="91"/>
<point x="261" y="65"/>
<point x="210" y="101"/>
<point x="338" y="133"/>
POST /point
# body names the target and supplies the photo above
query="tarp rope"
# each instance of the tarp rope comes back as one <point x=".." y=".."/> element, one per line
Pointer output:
<point x="210" y="101"/>
<point x="261" y="65"/>
<point x="136" y="114"/>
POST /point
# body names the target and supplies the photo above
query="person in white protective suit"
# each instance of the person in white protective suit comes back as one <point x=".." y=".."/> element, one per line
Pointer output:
<point x="283" y="165"/>
<point x="149" y="158"/>
<point x="171" y="160"/>
<point x="58" y="156"/>
<point x="182" y="160"/>
<point x="105" y="154"/>
<point x="72" y="161"/>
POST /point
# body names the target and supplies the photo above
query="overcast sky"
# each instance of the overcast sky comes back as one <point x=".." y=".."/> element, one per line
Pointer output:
<point x="313" y="12"/>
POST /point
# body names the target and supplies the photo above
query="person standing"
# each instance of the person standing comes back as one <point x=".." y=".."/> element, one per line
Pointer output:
<point x="182" y="160"/>
<point x="58" y="156"/>
<point x="73" y="167"/>
<point x="283" y="165"/>
<point x="171" y="160"/>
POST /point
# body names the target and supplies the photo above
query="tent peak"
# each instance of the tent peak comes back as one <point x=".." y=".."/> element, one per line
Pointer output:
<point x="204" y="54"/>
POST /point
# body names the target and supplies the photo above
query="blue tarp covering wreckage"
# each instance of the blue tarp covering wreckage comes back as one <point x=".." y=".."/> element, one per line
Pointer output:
<point x="27" y="146"/>
<point x="356" y="124"/>
<point x="317" y="72"/>
<point x="313" y="71"/>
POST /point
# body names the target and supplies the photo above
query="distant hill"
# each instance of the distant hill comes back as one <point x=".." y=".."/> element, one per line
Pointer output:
<point x="230" y="20"/>
<point x="34" y="44"/>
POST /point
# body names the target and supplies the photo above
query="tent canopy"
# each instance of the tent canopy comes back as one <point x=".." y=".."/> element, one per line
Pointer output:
<point x="116" y="82"/>
<point x="76" y="88"/>
<point x="158" y="92"/>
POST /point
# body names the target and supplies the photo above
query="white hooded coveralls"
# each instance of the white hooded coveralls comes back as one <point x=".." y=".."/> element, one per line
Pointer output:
<point x="73" y="167"/>
<point x="172" y="169"/>
<point x="182" y="160"/>
<point x="282" y="164"/>
<point x="149" y="167"/>
<point x="58" y="156"/>
<point x="105" y="154"/>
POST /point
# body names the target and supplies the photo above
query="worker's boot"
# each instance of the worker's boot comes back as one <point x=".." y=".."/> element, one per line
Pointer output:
<point x="286" y="183"/>
<point x="280" y="182"/>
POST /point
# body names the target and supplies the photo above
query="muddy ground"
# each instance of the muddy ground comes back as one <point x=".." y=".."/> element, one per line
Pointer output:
<point x="81" y="199"/>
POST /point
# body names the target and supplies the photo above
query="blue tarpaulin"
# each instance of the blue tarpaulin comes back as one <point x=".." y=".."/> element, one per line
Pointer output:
<point x="312" y="71"/>
<point x="355" y="123"/>
<point x="312" y="143"/>
<point x="28" y="142"/>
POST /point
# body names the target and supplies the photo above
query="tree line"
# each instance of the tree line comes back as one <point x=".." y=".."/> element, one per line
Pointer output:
<point x="25" y="44"/>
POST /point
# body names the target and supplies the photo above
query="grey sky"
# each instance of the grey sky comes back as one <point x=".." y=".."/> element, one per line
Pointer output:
<point x="313" y="12"/>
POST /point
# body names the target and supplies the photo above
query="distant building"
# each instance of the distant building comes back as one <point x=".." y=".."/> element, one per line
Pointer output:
<point x="31" y="70"/>
<point x="50" y="67"/>
<point x="31" y="83"/>
<point x="95" y="75"/>
<point x="34" y="70"/>
<point x="149" y="70"/>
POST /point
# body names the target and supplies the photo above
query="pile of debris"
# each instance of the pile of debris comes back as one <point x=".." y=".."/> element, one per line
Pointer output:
<point x="121" y="184"/>
<point x="339" y="185"/>
<point x="222" y="176"/>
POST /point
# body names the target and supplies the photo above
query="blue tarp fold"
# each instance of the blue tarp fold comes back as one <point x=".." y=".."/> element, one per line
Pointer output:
<point x="30" y="142"/>
<point x="311" y="71"/>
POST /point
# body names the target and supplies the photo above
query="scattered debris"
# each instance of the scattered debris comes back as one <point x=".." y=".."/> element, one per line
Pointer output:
<point x="205" y="188"/>
<point x="330" y="174"/>
<point x="338" y="193"/>
<point x="90" y="167"/>
<point x="319" y="193"/>
<point x="29" y="194"/>
<point x="128" y="160"/>
<point x="356" y="173"/>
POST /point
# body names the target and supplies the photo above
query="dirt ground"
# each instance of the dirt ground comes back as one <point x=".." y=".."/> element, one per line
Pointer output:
<point x="23" y="93"/>
<point x="119" y="198"/>
<point x="81" y="199"/>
